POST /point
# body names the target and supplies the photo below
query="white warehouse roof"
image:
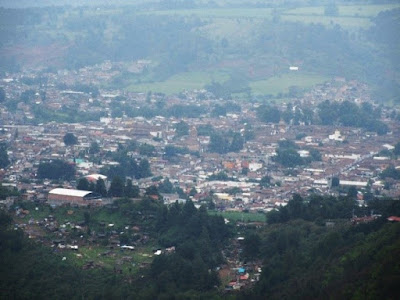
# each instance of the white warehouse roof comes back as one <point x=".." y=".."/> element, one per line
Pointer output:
<point x="69" y="192"/>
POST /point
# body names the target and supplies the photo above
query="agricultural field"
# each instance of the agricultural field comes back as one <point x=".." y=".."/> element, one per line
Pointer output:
<point x="350" y="16"/>
<point x="281" y="84"/>
<point x="129" y="261"/>
<point x="358" y="11"/>
<point x="180" y="82"/>
<point x="262" y="13"/>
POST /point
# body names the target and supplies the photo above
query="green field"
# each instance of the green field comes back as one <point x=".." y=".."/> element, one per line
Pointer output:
<point x="281" y="84"/>
<point x="197" y="80"/>
<point x="262" y="13"/>
<point x="350" y="16"/>
<point x="345" y="22"/>
<point x="180" y="82"/>
<point x="366" y="11"/>
<point x="94" y="253"/>
<point x="234" y="216"/>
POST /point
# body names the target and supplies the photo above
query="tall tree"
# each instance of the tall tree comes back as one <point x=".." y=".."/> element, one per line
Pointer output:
<point x="94" y="148"/>
<point x="237" y="143"/>
<point x="83" y="184"/>
<point x="4" y="161"/>
<point x="131" y="191"/>
<point x="116" y="187"/>
<point x="144" y="169"/>
<point x="101" y="187"/>
<point x="181" y="129"/>
<point x="2" y="95"/>
<point x="70" y="139"/>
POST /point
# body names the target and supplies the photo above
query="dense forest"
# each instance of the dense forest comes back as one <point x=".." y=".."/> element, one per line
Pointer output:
<point x="306" y="259"/>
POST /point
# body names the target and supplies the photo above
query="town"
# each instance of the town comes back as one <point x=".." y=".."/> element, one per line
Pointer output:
<point x="178" y="136"/>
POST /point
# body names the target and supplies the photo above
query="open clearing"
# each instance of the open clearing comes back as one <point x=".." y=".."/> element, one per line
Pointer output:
<point x="281" y="84"/>
<point x="180" y="82"/>
<point x="234" y="216"/>
<point x="349" y="16"/>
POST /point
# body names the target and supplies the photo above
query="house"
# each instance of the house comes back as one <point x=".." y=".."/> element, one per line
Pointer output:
<point x="393" y="219"/>
<point x="59" y="196"/>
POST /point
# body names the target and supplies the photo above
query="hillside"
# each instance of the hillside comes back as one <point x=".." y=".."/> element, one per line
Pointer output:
<point x="190" y="46"/>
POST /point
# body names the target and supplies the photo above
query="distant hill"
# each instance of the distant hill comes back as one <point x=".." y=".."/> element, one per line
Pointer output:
<point x="255" y="41"/>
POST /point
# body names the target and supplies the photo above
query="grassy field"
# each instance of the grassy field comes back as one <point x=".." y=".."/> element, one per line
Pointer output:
<point x="180" y="82"/>
<point x="345" y="22"/>
<point x="262" y="13"/>
<point x="239" y="216"/>
<point x="281" y="84"/>
<point x="365" y="11"/>
<point x="350" y="16"/>
<point x="117" y="258"/>
<point x="197" y="80"/>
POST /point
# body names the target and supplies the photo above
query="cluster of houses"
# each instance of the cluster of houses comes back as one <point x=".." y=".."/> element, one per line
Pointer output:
<point x="351" y="154"/>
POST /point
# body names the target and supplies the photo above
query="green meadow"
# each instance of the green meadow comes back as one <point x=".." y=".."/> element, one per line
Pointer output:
<point x="180" y="82"/>
<point x="281" y="84"/>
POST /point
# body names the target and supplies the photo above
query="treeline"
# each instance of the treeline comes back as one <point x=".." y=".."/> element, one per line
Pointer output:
<point x="314" y="208"/>
<point x="344" y="113"/>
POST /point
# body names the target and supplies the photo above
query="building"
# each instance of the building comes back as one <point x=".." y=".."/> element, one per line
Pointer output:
<point x="61" y="196"/>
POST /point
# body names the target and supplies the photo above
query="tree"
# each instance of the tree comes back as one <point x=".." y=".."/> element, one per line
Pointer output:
<point x="390" y="172"/>
<point x="237" y="143"/>
<point x="56" y="169"/>
<point x="166" y="186"/>
<point x="265" y="181"/>
<point x="116" y="187"/>
<point x="193" y="192"/>
<point x="335" y="182"/>
<point x="396" y="149"/>
<point x="205" y="130"/>
<point x="2" y="95"/>
<point x="27" y="96"/>
<point x="315" y="154"/>
<point x="131" y="191"/>
<point x="181" y="129"/>
<point x="83" y="184"/>
<point x="152" y="191"/>
<point x="86" y="216"/>
<point x="4" y="161"/>
<point x="144" y="169"/>
<point x="94" y="148"/>
<point x="101" y="187"/>
<point x="269" y="114"/>
<point x="171" y="151"/>
<point x="70" y="139"/>
<point x="251" y="246"/>
<point x="288" y="158"/>
<point x="218" y="143"/>
<point x="146" y="149"/>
